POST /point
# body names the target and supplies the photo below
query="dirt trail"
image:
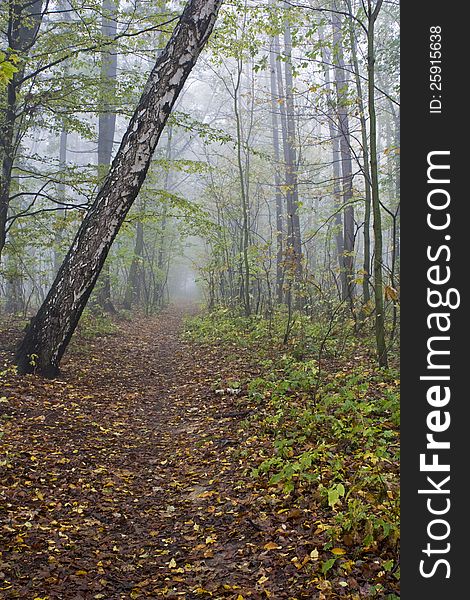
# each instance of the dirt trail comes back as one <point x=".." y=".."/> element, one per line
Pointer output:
<point x="121" y="479"/>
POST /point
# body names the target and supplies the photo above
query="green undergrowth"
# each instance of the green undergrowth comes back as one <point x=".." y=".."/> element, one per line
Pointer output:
<point x="94" y="323"/>
<point x="324" y="429"/>
<point x="302" y="336"/>
<point x="344" y="444"/>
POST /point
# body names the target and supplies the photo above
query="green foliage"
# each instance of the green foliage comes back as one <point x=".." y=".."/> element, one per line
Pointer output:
<point x="8" y="67"/>
<point x="307" y="335"/>
<point x="95" y="323"/>
<point x="332" y="432"/>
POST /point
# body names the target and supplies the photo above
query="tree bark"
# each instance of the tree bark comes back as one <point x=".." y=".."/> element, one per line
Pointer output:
<point x="277" y="179"/>
<point x="291" y="163"/>
<point x="244" y="195"/>
<point x="107" y="125"/>
<point x="61" y="214"/>
<point x="336" y="166"/>
<point x="365" y="162"/>
<point x="50" y="331"/>
<point x="134" y="288"/>
<point x="341" y="85"/>
<point x="24" y="20"/>
<point x="378" y="275"/>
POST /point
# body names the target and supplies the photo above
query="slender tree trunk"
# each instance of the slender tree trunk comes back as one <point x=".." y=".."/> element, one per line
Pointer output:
<point x="277" y="179"/>
<point x="24" y="20"/>
<point x="341" y="85"/>
<point x="107" y="125"/>
<point x="7" y="157"/>
<point x="365" y="162"/>
<point x="133" y="294"/>
<point x="61" y="213"/>
<point x="14" y="281"/>
<point x="291" y="163"/>
<point x="15" y="300"/>
<point x="50" y="331"/>
<point x="336" y="159"/>
<point x="292" y="257"/>
<point x="60" y="217"/>
<point x="245" y="239"/>
<point x="378" y="276"/>
<point x="285" y="138"/>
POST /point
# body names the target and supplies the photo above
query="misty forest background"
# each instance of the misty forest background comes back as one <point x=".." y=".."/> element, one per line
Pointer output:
<point x="242" y="336"/>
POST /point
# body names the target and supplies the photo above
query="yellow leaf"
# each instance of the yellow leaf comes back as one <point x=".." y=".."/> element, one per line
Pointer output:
<point x="322" y="526"/>
<point x="240" y="597"/>
<point x="391" y="293"/>
<point x="347" y="565"/>
<point x="262" y="580"/>
<point x="314" y="554"/>
<point x="271" y="546"/>
<point x="206" y="494"/>
<point x="81" y="572"/>
<point x="172" y="564"/>
<point x="338" y="551"/>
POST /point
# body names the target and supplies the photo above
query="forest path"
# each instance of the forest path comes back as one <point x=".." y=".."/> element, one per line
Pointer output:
<point x="122" y="478"/>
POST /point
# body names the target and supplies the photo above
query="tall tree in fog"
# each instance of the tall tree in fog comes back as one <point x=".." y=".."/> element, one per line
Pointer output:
<point x="107" y="120"/>
<point x="290" y="156"/>
<point x="342" y="92"/>
<point x="23" y="21"/>
<point x="372" y="14"/>
<point x="273" y="58"/>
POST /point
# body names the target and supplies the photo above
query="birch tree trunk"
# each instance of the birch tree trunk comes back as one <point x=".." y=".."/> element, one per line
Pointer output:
<point x="50" y="331"/>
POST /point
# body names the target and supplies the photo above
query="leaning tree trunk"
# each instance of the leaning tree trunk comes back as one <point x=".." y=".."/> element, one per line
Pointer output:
<point x="50" y="331"/>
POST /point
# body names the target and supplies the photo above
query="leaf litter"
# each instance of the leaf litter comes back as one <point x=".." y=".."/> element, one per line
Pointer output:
<point x="125" y="479"/>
